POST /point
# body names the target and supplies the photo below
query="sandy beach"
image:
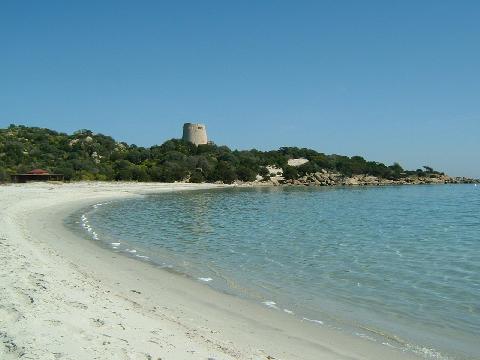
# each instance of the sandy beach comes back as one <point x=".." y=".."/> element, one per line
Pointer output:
<point x="63" y="297"/>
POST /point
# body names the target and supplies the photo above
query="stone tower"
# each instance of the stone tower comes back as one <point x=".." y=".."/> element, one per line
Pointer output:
<point x="195" y="133"/>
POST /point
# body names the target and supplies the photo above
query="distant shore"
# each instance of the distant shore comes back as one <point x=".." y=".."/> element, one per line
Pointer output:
<point x="66" y="297"/>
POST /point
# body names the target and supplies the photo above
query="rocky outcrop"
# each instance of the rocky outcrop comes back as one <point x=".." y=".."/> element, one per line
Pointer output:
<point x="326" y="178"/>
<point x="297" y="162"/>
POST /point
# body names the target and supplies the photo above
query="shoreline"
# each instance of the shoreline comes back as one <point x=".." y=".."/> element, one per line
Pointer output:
<point x="71" y="297"/>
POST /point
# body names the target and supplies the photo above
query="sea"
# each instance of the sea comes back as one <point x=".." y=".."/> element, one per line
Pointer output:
<point x="397" y="265"/>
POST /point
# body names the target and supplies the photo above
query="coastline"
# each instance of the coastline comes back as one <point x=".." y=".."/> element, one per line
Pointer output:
<point x="66" y="297"/>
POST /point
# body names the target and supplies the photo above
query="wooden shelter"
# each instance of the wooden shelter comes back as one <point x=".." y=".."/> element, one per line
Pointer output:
<point x="36" y="175"/>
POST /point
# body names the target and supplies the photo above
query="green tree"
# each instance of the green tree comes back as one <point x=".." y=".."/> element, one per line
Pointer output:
<point x="3" y="175"/>
<point x="428" y="169"/>
<point x="246" y="174"/>
<point x="197" y="177"/>
<point x="224" y="172"/>
<point x="308" y="168"/>
<point x="396" y="170"/>
<point x="290" y="172"/>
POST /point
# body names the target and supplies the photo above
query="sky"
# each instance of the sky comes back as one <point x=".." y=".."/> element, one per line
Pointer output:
<point x="392" y="81"/>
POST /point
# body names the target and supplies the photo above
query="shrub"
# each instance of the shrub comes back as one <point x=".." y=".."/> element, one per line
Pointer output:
<point x="197" y="177"/>
<point x="290" y="172"/>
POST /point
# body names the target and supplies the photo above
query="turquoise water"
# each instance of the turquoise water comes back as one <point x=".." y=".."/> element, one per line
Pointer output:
<point x="396" y="265"/>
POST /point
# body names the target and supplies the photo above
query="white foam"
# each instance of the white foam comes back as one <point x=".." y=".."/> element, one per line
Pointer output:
<point x="313" y="320"/>
<point x="142" y="256"/>
<point x="115" y="244"/>
<point x="389" y="345"/>
<point x="270" y="304"/>
<point x="205" y="279"/>
<point x="133" y="251"/>
<point x="288" y="311"/>
<point x="426" y="352"/>
<point x="87" y="227"/>
<point x="364" y="336"/>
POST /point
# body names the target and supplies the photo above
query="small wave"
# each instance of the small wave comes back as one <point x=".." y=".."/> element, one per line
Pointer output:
<point x="398" y="343"/>
<point x="275" y="262"/>
<point x="270" y="304"/>
<point x="427" y="353"/>
<point x="288" y="311"/>
<point x="389" y="345"/>
<point x="87" y="227"/>
<point x="364" y="336"/>
<point x="115" y="244"/>
<point x="205" y="279"/>
<point x="313" y="321"/>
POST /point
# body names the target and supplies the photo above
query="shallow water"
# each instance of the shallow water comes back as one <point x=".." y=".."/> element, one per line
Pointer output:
<point x="397" y="265"/>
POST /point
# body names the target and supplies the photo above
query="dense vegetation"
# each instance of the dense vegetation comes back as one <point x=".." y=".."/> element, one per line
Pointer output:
<point x="88" y="156"/>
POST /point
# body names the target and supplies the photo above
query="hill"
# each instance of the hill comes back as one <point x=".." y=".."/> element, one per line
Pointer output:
<point x="85" y="155"/>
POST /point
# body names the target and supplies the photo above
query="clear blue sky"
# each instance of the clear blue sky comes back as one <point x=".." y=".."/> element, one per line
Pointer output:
<point x="388" y="80"/>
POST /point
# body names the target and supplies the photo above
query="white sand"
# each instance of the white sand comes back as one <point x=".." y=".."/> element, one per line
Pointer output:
<point x="63" y="297"/>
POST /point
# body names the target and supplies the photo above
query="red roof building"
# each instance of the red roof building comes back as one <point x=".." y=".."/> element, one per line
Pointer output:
<point x="37" y="175"/>
<point x="38" y="172"/>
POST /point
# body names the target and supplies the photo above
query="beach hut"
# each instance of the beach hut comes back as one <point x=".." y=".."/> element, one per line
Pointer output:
<point x="36" y="175"/>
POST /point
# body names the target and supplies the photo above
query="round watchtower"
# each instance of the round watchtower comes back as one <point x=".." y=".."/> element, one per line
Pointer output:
<point x="195" y="133"/>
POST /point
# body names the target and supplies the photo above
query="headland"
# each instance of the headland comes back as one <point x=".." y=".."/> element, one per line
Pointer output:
<point x="29" y="153"/>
